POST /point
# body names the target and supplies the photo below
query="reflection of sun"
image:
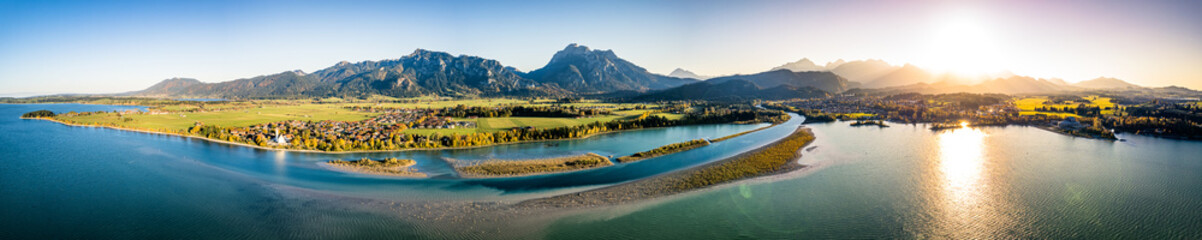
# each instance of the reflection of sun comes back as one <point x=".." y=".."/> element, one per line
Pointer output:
<point x="961" y="160"/>
<point x="967" y="203"/>
<point x="281" y="162"/>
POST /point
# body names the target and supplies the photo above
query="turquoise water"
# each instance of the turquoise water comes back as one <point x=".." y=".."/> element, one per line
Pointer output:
<point x="900" y="182"/>
<point x="909" y="182"/>
<point x="109" y="183"/>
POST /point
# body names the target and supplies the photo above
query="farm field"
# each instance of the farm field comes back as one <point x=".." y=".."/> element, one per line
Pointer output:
<point x="233" y="118"/>
<point x="1058" y="114"/>
<point x="1027" y="105"/>
<point x="856" y="115"/>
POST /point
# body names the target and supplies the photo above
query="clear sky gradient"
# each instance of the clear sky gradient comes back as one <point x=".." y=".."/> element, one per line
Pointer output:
<point x="116" y="46"/>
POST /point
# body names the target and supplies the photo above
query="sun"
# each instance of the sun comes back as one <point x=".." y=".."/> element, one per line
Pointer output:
<point x="961" y="42"/>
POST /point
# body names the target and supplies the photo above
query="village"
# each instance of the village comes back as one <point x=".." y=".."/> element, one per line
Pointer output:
<point x="387" y="125"/>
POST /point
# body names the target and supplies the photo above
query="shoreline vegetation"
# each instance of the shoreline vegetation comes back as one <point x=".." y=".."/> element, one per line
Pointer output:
<point x="663" y="150"/>
<point x="1081" y="133"/>
<point x="1096" y="115"/>
<point x="387" y="167"/>
<point x="817" y="116"/>
<point x="38" y="114"/>
<point x="494" y="168"/>
<point x="1087" y="132"/>
<point x="775" y="158"/>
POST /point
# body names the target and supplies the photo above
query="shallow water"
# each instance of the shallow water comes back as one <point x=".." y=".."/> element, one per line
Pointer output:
<point x="909" y="182"/>
<point x="898" y="182"/>
<point x="112" y="183"/>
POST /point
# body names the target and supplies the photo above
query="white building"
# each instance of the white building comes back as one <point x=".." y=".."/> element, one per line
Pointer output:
<point x="280" y="140"/>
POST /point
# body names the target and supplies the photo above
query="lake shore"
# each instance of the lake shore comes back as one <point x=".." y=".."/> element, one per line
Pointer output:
<point x="1070" y="134"/>
<point x="1049" y="128"/>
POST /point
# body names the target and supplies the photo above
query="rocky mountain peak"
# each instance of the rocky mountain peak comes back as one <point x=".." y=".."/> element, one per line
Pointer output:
<point x="835" y="64"/>
<point x="803" y="65"/>
<point x="426" y="54"/>
<point x="576" y="52"/>
<point x="579" y="68"/>
<point x="681" y="73"/>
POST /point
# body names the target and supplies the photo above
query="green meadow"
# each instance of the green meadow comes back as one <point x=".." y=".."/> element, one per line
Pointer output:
<point x="233" y="118"/>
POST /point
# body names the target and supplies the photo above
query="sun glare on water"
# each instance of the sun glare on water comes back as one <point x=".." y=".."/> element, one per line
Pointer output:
<point x="966" y="195"/>
<point x="960" y="160"/>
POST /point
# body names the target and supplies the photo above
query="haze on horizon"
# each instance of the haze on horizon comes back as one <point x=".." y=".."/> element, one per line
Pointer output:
<point x="105" y="47"/>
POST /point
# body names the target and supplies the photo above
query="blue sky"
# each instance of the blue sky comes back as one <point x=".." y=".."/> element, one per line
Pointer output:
<point x="116" y="46"/>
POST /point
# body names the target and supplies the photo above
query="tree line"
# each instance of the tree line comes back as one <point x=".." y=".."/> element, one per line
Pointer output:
<point x="1081" y="109"/>
<point x="38" y="114"/>
<point x="462" y="111"/>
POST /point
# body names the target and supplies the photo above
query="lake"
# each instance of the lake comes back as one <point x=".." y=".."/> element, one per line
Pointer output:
<point x="899" y="182"/>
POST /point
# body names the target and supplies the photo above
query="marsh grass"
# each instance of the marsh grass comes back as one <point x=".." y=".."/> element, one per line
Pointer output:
<point x="728" y="137"/>
<point x="768" y="159"/>
<point x="664" y="150"/>
<point x="389" y="166"/>
<point x="506" y="168"/>
<point x="774" y="158"/>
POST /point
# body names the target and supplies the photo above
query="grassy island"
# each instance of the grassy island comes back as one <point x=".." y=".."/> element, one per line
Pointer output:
<point x="664" y="150"/>
<point x="775" y="158"/>
<point x="877" y="123"/>
<point x="389" y="166"/>
<point x="513" y="168"/>
<point x="942" y="126"/>
<point x="768" y="159"/>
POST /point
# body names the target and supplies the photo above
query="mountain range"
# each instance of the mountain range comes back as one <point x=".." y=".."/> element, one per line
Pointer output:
<point x="730" y="90"/>
<point x="579" y="70"/>
<point x="803" y="65"/>
<point x="1104" y="83"/>
<point x="575" y="69"/>
<point x="880" y="75"/>
<point x="825" y="81"/>
<point x="1013" y="85"/>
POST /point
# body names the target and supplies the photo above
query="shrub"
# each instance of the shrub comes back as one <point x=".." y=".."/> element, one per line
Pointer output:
<point x="38" y="114"/>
